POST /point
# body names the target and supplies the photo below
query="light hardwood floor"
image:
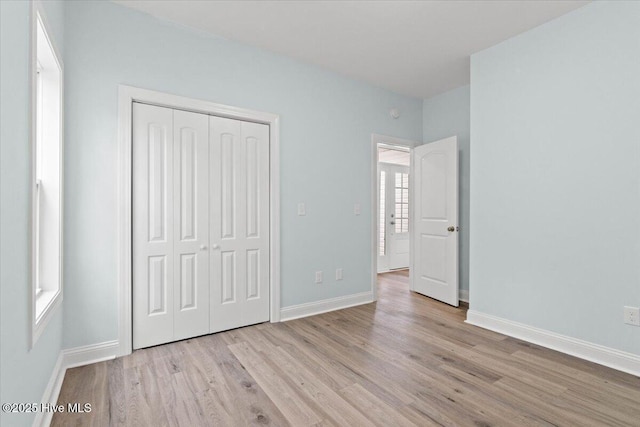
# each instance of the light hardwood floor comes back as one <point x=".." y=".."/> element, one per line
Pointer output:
<point x="403" y="361"/>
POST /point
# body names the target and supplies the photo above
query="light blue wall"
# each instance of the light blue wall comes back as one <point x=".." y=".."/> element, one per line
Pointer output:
<point x="555" y="176"/>
<point x="24" y="372"/>
<point x="443" y="116"/>
<point x="326" y="126"/>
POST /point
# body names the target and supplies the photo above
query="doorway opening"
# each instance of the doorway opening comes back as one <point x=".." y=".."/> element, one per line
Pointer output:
<point x="391" y="189"/>
<point x="393" y="208"/>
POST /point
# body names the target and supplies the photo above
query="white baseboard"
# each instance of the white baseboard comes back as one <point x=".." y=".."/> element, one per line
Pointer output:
<point x="318" y="307"/>
<point x="80" y="356"/>
<point x="612" y="358"/>
<point x="71" y="358"/>
<point x="463" y="295"/>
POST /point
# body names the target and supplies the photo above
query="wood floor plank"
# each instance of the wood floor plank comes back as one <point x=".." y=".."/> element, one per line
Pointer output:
<point x="554" y="408"/>
<point x="341" y="370"/>
<point x="291" y="404"/>
<point x="377" y="411"/>
<point x="367" y="367"/>
<point x="511" y="345"/>
<point x="413" y="350"/>
<point x="168" y="399"/>
<point x="138" y="408"/>
<point x="404" y="360"/>
<point x="117" y="404"/>
<point x="332" y="405"/>
<point x="91" y="389"/>
<point x="625" y="394"/>
<point x="326" y="369"/>
<point x="151" y="392"/>
<point x="240" y="391"/>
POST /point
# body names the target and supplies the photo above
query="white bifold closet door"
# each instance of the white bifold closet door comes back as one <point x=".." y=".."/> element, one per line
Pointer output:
<point x="200" y="224"/>
<point x="239" y="203"/>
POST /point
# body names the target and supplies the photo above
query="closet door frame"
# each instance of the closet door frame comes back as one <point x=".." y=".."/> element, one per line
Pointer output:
<point x="127" y="95"/>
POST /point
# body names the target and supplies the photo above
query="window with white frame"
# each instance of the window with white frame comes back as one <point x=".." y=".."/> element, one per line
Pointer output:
<point x="46" y="178"/>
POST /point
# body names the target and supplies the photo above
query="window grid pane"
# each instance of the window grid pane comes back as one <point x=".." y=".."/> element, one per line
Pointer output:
<point x="402" y="203"/>
<point x="381" y="240"/>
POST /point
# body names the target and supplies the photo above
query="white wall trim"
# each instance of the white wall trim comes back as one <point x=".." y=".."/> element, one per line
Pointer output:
<point x="88" y="354"/>
<point x="126" y="96"/>
<point x="463" y="295"/>
<point x="389" y="141"/>
<point x="616" y="359"/>
<point x="71" y="358"/>
<point x="319" y="307"/>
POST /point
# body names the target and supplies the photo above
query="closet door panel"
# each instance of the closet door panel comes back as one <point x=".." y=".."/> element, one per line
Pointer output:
<point x="255" y="143"/>
<point x="153" y="266"/>
<point x="224" y="145"/>
<point x="191" y="224"/>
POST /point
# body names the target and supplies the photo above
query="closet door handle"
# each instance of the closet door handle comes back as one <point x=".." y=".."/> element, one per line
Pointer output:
<point x="215" y="246"/>
<point x="203" y="247"/>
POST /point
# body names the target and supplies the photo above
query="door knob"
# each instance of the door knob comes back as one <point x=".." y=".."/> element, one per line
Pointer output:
<point x="452" y="228"/>
<point x="392" y="222"/>
<point x="203" y="247"/>
<point x="215" y="246"/>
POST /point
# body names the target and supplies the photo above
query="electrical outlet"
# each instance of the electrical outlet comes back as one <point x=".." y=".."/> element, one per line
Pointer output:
<point x="338" y="274"/>
<point x="318" y="276"/>
<point x="632" y="316"/>
<point x="302" y="210"/>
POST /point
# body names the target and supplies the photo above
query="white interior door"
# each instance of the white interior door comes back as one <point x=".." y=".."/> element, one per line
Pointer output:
<point x="394" y="246"/>
<point x="435" y="239"/>
<point x="239" y="202"/>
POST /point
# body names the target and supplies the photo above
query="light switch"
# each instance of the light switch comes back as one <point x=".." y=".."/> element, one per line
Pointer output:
<point x="356" y="209"/>
<point x="302" y="210"/>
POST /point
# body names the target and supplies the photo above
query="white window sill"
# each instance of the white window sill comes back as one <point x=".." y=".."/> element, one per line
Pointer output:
<point x="43" y="302"/>
<point x="46" y="303"/>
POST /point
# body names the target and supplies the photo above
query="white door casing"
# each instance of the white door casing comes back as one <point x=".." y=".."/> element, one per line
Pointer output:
<point x="435" y="237"/>
<point x="239" y="203"/>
